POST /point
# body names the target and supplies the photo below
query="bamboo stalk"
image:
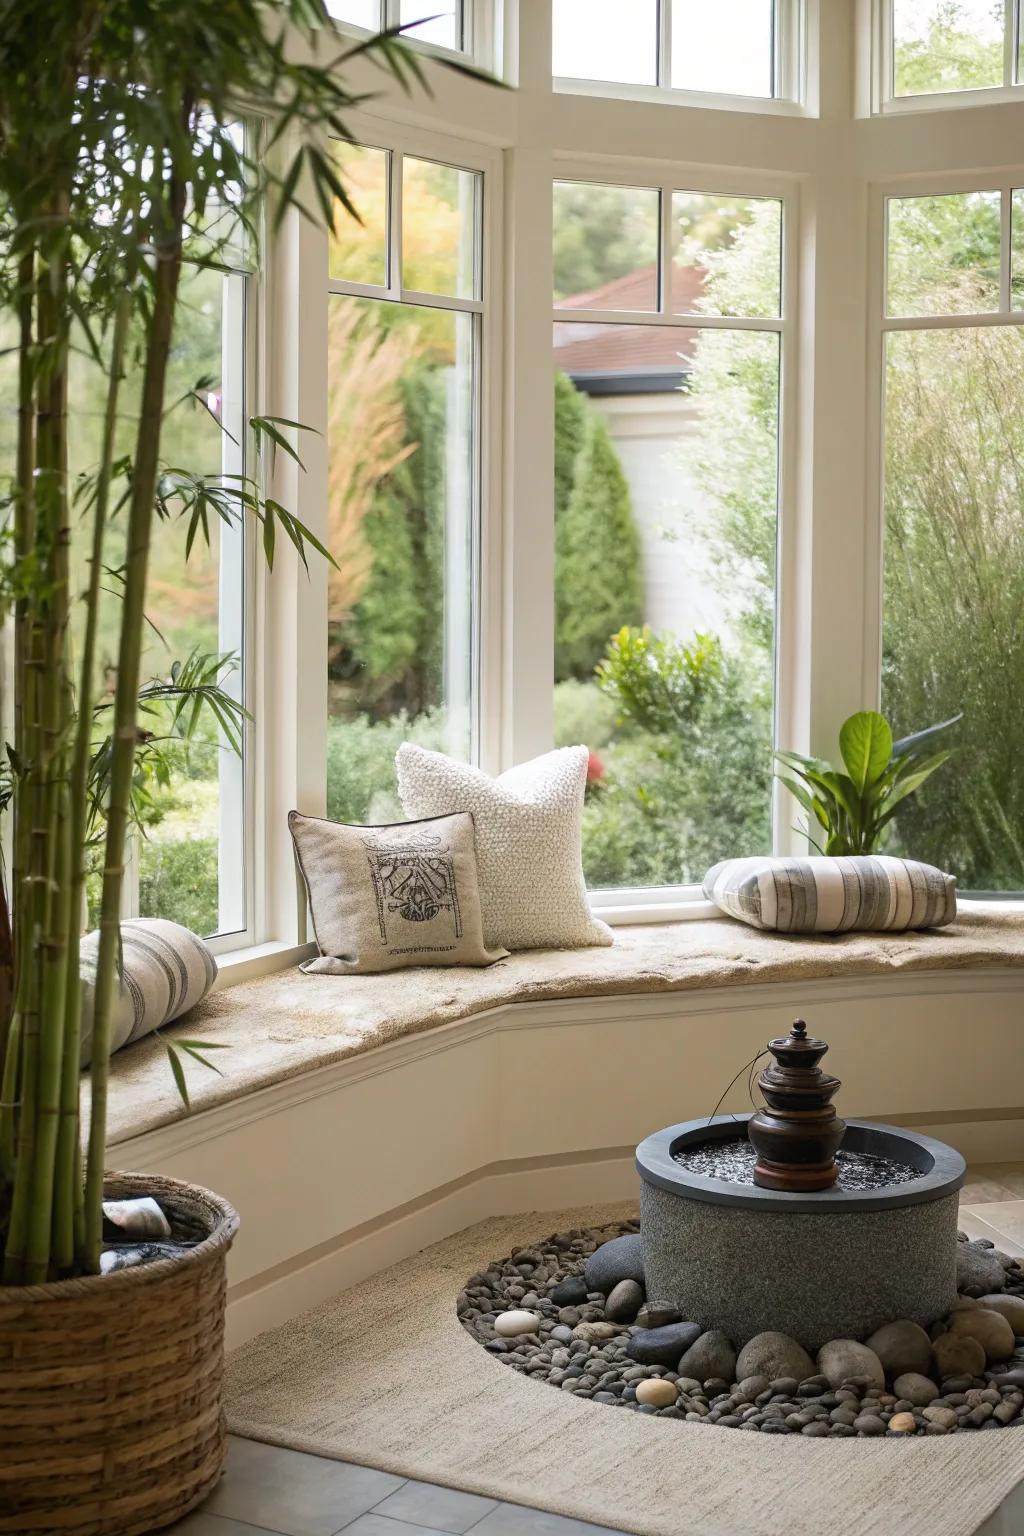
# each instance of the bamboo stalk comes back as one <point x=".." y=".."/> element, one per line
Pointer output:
<point x="24" y="537"/>
<point x="69" y="1170"/>
<point x="140" y="520"/>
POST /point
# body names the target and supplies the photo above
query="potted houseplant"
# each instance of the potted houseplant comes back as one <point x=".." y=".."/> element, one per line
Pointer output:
<point x="121" y="164"/>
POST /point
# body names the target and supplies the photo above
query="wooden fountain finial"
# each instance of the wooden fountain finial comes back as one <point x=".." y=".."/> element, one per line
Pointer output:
<point x="797" y="1133"/>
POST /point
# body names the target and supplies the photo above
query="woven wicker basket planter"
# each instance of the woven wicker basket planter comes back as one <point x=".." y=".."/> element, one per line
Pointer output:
<point x="110" y="1386"/>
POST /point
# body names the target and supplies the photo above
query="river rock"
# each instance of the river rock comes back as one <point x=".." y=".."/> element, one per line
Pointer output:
<point x="944" y="1417"/>
<point x="570" y="1292"/>
<point x="710" y="1356"/>
<point x="978" y="1269"/>
<point x="620" y="1259"/>
<point x="991" y="1330"/>
<point x="902" y="1424"/>
<point x="915" y="1388"/>
<point x="595" y="1333"/>
<point x="774" y="1355"/>
<point x="508" y="1324"/>
<point x="662" y="1346"/>
<point x="1010" y="1307"/>
<point x="902" y="1347"/>
<point x="843" y="1359"/>
<point x="957" y="1354"/>
<point x="655" y="1314"/>
<point x="657" y="1391"/>
<point x="624" y="1302"/>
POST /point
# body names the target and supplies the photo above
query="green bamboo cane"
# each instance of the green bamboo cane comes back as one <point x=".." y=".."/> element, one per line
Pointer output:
<point x="32" y="905"/>
<point x="24" y="537"/>
<point x="69" y="1171"/>
<point x="140" y="520"/>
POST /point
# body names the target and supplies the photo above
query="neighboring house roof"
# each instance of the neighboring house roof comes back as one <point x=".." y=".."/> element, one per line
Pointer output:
<point x="614" y="357"/>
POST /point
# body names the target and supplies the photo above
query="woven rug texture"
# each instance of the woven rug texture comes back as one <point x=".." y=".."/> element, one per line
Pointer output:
<point x="384" y="1374"/>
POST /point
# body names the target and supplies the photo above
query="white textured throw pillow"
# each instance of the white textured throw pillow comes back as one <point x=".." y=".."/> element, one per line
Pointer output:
<point x="167" y="970"/>
<point x="529" y="840"/>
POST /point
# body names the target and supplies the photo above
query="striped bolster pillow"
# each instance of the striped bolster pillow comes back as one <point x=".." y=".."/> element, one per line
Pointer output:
<point x="826" y="895"/>
<point x="167" y="970"/>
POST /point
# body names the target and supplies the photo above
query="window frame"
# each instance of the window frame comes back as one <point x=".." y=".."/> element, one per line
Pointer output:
<point x="881" y="325"/>
<point x="789" y="83"/>
<point x="450" y="154"/>
<point x="478" y="26"/>
<point x="645" y="904"/>
<point x="885" y="102"/>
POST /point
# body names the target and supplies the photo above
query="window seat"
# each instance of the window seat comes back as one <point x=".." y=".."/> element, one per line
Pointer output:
<point x="286" y="1024"/>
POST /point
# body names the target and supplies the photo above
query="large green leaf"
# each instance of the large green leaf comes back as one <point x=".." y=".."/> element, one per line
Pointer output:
<point x="866" y="744"/>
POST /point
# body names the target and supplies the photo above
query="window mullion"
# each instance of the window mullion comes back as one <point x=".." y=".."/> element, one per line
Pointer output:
<point x="664" y="65"/>
<point x="1009" y="40"/>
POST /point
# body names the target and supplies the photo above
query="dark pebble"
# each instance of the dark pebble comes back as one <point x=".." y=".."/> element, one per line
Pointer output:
<point x="569" y="1293"/>
<point x="662" y="1346"/>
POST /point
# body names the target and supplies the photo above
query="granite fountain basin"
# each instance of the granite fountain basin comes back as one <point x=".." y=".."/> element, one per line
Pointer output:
<point x="835" y="1263"/>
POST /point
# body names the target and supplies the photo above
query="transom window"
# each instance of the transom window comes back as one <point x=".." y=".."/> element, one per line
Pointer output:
<point x="936" y="48"/>
<point x="732" y="48"/>
<point x="442" y="23"/>
<point x="667" y="351"/>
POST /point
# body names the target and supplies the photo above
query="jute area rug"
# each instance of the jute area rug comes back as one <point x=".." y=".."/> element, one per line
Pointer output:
<point x="385" y="1375"/>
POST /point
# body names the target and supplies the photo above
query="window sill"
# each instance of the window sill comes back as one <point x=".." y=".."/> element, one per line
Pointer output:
<point x="258" y="960"/>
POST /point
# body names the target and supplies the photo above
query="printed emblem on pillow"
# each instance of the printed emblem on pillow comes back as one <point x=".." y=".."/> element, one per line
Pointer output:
<point x="872" y="893"/>
<point x="529" y="838"/>
<point x="386" y="897"/>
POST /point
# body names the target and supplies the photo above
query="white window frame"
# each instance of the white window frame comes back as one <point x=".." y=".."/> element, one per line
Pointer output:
<point x="645" y="904"/>
<point x="480" y="29"/>
<point x="882" y="325"/>
<point x="453" y="154"/>
<point x="883" y="97"/>
<point x="788" y="72"/>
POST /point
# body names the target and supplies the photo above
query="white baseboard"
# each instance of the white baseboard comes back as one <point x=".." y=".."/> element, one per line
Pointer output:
<point x="548" y="1184"/>
<point x="543" y="1184"/>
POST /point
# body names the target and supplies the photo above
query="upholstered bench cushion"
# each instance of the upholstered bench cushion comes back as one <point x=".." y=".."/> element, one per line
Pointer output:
<point x="286" y="1024"/>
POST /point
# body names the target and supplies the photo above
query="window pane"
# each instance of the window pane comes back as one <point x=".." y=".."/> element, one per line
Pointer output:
<point x="666" y="459"/>
<point x="954" y="592"/>
<point x="443" y="23"/>
<point x="360" y="13"/>
<point x="190" y="861"/>
<point x="1017" y="261"/>
<point x="605" y="246"/>
<point x="726" y="255"/>
<point x="947" y="45"/>
<point x="401" y="493"/>
<point x="943" y="254"/>
<point x="604" y="40"/>
<point x="359" y="247"/>
<point x="440" y="220"/>
<point x="723" y="47"/>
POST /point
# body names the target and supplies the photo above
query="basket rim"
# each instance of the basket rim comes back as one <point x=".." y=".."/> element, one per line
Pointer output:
<point x="153" y="1273"/>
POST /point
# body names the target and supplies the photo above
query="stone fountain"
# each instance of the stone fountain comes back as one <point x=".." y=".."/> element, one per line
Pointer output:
<point x="792" y="1220"/>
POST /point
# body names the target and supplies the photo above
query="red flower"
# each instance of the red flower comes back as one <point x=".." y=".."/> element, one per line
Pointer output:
<point x="595" y="770"/>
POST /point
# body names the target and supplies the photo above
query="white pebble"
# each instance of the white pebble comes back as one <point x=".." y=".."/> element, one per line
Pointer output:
<point x="661" y="1393"/>
<point x="508" y="1324"/>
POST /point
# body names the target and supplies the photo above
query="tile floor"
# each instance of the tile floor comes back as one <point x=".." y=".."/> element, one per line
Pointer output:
<point x="285" y="1493"/>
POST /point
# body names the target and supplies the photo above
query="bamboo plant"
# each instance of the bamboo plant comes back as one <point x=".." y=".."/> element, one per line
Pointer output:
<point x="120" y="161"/>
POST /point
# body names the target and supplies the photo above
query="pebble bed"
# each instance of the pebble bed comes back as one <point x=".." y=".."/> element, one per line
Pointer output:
<point x="733" y="1162"/>
<point x="585" y="1341"/>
